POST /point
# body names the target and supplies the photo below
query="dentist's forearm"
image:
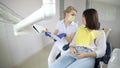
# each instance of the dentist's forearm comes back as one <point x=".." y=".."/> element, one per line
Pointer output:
<point x="68" y="39"/>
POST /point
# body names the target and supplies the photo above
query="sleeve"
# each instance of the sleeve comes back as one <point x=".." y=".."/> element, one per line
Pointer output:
<point x="75" y="27"/>
<point x="73" y="41"/>
<point x="101" y="45"/>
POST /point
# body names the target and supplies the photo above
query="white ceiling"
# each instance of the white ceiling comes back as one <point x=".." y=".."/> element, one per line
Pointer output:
<point x="114" y="2"/>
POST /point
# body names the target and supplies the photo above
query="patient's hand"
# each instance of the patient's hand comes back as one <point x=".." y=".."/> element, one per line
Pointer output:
<point x="82" y="54"/>
<point x="72" y="50"/>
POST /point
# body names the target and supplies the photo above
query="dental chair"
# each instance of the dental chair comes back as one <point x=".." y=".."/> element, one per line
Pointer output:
<point x="115" y="59"/>
<point x="107" y="31"/>
<point x="105" y="58"/>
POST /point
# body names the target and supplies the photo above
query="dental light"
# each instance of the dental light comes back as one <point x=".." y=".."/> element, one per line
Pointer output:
<point x="45" y="12"/>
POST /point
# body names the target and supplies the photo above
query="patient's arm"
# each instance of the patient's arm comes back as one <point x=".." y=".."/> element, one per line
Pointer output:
<point x="72" y="50"/>
<point x="73" y="41"/>
<point x="86" y="54"/>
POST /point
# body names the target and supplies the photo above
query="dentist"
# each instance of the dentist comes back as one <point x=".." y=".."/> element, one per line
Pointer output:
<point x="65" y="30"/>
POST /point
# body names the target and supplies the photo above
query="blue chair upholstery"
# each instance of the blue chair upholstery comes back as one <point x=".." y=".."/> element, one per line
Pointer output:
<point x="106" y="57"/>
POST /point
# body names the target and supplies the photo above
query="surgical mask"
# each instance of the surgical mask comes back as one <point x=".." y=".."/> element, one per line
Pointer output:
<point x="71" y="18"/>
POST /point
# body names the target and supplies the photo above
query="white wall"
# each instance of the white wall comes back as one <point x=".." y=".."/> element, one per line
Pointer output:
<point x="5" y="55"/>
<point x="109" y="15"/>
<point x="80" y="5"/>
<point x="16" y="49"/>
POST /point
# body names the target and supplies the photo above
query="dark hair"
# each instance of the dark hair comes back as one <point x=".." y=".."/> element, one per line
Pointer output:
<point x="68" y="10"/>
<point x="91" y="17"/>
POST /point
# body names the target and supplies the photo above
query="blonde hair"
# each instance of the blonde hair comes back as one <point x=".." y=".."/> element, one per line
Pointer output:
<point x="68" y="10"/>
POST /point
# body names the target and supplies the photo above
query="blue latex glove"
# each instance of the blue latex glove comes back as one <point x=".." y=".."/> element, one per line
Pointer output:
<point x="48" y="34"/>
<point x="61" y="35"/>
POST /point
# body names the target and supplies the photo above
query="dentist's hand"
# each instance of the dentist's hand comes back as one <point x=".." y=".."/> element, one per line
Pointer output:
<point x="48" y="34"/>
<point x="61" y="35"/>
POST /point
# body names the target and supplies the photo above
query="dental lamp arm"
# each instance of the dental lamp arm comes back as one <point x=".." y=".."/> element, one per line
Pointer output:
<point x="45" y="12"/>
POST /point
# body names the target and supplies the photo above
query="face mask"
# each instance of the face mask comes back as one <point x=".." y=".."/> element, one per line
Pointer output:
<point x="71" y="18"/>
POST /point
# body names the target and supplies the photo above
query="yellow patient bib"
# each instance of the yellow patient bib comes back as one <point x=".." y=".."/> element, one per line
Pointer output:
<point x="84" y="36"/>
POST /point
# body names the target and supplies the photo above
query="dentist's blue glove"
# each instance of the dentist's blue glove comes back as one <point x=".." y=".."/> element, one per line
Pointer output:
<point x="48" y="34"/>
<point x="61" y="35"/>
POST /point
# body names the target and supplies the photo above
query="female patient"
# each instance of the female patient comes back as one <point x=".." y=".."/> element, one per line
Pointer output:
<point x="89" y="43"/>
